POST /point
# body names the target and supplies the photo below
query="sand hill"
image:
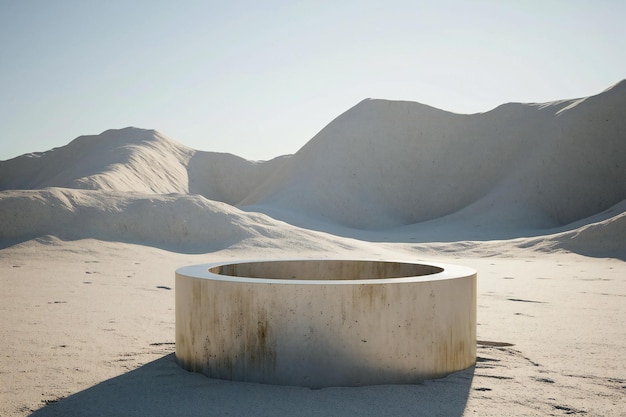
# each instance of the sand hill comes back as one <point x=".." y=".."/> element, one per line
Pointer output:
<point x="135" y="160"/>
<point x="385" y="163"/>
<point x="519" y="170"/>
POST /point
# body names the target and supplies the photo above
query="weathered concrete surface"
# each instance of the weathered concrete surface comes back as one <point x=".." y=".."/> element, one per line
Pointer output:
<point x="325" y="322"/>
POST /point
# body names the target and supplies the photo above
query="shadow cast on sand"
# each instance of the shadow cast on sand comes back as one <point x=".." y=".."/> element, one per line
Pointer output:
<point x="161" y="388"/>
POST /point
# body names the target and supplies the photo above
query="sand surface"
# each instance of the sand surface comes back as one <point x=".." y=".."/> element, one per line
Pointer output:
<point x="532" y="196"/>
<point x="88" y="329"/>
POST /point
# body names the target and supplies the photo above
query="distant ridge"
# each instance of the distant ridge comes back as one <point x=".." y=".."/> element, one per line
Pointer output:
<point x="519" y="170"/>
<point x="135" y="160"/>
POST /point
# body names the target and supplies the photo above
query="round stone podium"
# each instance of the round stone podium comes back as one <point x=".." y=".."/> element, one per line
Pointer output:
<point x="325" y="322"/>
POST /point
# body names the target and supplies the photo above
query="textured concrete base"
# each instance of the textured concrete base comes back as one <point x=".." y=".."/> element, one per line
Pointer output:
<point x="321" y="323"/>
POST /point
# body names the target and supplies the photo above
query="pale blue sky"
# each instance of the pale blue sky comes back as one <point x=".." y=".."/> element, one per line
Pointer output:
<point x="260" y="79"/>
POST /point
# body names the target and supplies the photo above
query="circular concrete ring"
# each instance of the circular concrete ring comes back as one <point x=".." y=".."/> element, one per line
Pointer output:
<point x="325" y="322"/>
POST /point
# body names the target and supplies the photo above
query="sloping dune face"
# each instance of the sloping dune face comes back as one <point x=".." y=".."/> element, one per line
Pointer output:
<point x="176" y="222"/>
<point x="227" y="178"/>
<point x="386" y="163"/>
<point x="129" y="159"/>
<point x="140" y="161"/>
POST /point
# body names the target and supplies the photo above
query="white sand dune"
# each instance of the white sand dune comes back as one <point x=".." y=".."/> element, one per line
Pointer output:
<point x="129" y="159"/>
<point x="386" y="163"/>
<point x="181" y="223"/>
<point x="520" y="170"/>
<point x="136" y="160"/>
<point x="531" y="195"/>
<point x="226" y="177"/>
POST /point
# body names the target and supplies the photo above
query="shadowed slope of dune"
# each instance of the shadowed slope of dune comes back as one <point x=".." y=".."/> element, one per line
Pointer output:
<point x="226" y="177"/>
<point x="604" y="238"/>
